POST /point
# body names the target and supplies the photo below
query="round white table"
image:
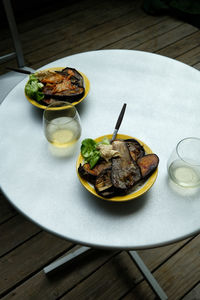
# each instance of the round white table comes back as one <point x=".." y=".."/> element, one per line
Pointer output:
<point x="163" y="106"/>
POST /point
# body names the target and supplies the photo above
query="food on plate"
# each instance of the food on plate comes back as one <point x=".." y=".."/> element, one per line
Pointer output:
<point x="91" y="174"/>
<point x="90" y="151"/>
<point x="33" y="88"/>
<point x="48" y="86"/>
<point x="116" y="168"/>
<point x="103" y="184"/>
<point x="147" y="164"/>
<point x="125" y="171"/>
<point x="136" y="150"/>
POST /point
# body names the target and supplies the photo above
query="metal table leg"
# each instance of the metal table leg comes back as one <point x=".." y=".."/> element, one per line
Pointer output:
<point x="64" y="260"/>
<point x="148" y="276"/>
<point x="134" y="255"/>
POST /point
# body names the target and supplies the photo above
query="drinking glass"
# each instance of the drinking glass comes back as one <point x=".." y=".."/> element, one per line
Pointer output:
<point x="184" y="163"/>
<point x="61" y="124"/>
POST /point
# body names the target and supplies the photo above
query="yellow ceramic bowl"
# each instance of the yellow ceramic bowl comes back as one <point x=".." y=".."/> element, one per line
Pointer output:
<point x="86" y="84"/>
<point x="138" y="192"/>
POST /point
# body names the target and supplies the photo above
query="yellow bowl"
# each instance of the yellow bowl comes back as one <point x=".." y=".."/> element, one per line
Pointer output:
<point x="138" y="192"/>
<point x="86" y="84"/>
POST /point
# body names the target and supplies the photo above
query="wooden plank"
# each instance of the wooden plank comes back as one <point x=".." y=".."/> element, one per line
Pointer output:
<point x="110" y="25"/>
<point x="154" y="257"/>
<point x="119" y="275"/>
<point x="161" y="254"/>
<point x="16" y="231"/>
<point x="97" y="42"/>
<point x="29" y="258"/>
<point x="89" y="35"/>
<point x="69" y="25"/>
<point x="191" y="57"/>
<point x="106" y="41"/>
<point x="42" y="287"/>
<point x="85" y="7"/>
<point x="178" y="275"/>
<point x="162" y="41"/>
<point x="182" y="46"/>
<point x="33" y="27"/>
<point x="197" y="66"/>
<point x="111" y="39"/>
<point x="146" y="34"/>
<point x="109" y="282"/>
<point x="6" y="209"/>
<point x="65" y="33"/>
<point x="48" y="16"/>
<point x="194" y="294"/>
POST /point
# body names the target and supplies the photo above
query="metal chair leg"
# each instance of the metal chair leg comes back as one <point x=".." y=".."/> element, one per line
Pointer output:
<point x="15" y="36"/>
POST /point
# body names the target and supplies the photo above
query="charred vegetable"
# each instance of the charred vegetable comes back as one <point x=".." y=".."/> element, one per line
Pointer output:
<point x="125" y="171"/>
<point x="148" y="164"/>
<point x="63" y="85"/>
<point x="103" y="184"/>
<point x="49" y="86"/>
<point x="91" y="152"/>
<point x="136" y="150"/>
<point x="91" y="174"/>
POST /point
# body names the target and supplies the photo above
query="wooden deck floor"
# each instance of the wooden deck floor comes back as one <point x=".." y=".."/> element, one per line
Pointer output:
<point x="53" y="31"/>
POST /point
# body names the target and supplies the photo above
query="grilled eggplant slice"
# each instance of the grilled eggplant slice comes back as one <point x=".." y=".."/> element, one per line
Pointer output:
<point x="148" y="163"/>
<point x="125" y="171"/>
<point x="135" y="148"/>
<point x="103" y="184"/>
<point x="91" y="174"/>
<point x="75" y="76"/>
<point x="66" y="85"/>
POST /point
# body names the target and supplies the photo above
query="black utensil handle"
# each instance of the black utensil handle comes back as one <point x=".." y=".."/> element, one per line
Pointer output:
<point x="19" y="70"/>
<point x="120" y="118"/>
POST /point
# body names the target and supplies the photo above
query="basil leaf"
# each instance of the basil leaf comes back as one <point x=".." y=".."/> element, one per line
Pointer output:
<point x="33" y="88"/>
<point x="90" y="152"/>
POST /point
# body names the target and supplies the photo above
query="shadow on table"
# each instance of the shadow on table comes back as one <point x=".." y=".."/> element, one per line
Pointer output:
<point x="37" y="113"/>
<point x="116" y="208"/>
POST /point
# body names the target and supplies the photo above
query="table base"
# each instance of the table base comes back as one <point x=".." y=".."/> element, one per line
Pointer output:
<point x="134" y="256"/>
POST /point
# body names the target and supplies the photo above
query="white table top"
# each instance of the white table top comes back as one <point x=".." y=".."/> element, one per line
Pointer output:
<point x="163" y="106"/>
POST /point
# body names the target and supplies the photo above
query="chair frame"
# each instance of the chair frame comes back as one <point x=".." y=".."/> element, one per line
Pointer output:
<point x="15" y="37"/>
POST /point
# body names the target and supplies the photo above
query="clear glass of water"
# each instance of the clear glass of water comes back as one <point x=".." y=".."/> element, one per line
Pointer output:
<point x="184" y="163"/>
<point x="61" y="124"/>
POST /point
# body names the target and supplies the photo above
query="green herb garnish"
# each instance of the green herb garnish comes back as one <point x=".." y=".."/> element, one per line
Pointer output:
<point x="33" y="88"/>
<point x="90" y="152"/>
